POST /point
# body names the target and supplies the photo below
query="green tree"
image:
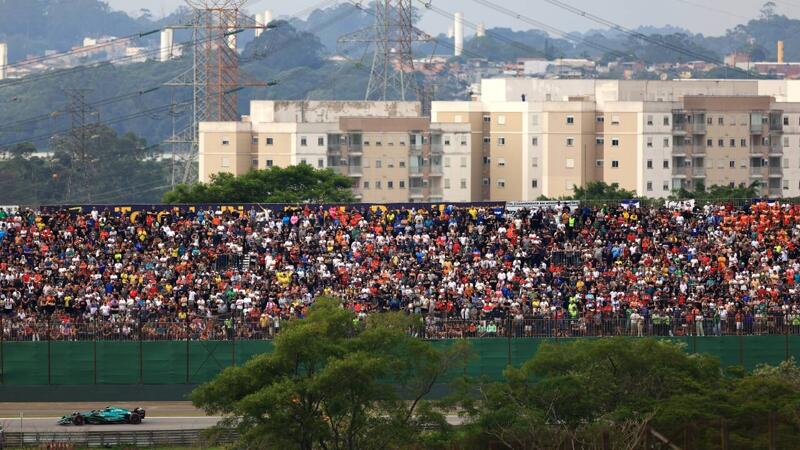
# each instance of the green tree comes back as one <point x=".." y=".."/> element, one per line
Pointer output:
<point x="716" y="192"/>
<point x="334" y="382"/>
<point x="600" y="190"/>
<point x="294" y="184"/>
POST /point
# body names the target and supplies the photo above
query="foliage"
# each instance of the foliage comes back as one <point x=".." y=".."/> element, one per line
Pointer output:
<point x="718" y="192"/>
<point x="572" y="394"/>
<point x="109" y="168"/>
<point x="295" y="184"/>
<point x="600" y="190"/>
<point x="334" y="382"/>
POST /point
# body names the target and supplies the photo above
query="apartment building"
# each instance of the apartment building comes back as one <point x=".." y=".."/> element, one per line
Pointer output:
<point x="388" y="149"/>
<point x="520" y="139"/>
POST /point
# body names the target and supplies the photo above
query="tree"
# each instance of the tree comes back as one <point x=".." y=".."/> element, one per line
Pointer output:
<point x="600" y="190"/>
<point x="334" y="382"/>
<point x="295" y="184"/>
<point x="717" y="192"/>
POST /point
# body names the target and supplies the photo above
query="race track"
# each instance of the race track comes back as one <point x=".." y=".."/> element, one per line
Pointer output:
<point x="48" y="424"/>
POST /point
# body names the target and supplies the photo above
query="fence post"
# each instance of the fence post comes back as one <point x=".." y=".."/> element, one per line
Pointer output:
<point x="49" y="359"/>
<point x="141" y="351"/>
<point x="94" y="350"/>
<point x="187" y="349"/>
<point x="2" y="352"/>
<point x="741" y="350"/>
<point x="786" y="344"/>
<point x="233" y="342"/>
<point x="508" y="327"/>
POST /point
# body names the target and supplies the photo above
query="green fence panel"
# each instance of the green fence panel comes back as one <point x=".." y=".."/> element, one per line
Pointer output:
<point x="25" y="363"/>
<point x="118" y="362"/>
<point x="246" y="350"/>
<point x="164" y="362"/>
<point x="523" y="349"/>
<point x="763" y="350"/>
<point x="794" y="347"/>
<point x="72" y="362"/>
<point x="208" y="358"/>
<point x="726" y="348"/>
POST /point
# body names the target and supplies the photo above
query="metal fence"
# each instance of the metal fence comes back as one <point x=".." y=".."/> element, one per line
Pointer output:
<point x="431" y="326"/>
<point x="110" y="438"/>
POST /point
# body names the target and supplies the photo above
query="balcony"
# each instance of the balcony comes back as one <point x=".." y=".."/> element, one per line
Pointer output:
<point x="756" y="128"/>
<point x="776" y="149"/>
<point x="415" y="171"/>
<point x="698" y="127"/>
<point x="437" y="149"/>
<point x="775" y="171"/>
<point x="355" y="149"/>
<point x="416" y="192"/>
<point x="757" y="172"/>
<point x="775" y="192"/>
<point x="436" y="171"/>
<point x="355" y="171"/>
<point x="698" y="172"/>
<point x="680" y="150"/>
<point x="680" y="171"/>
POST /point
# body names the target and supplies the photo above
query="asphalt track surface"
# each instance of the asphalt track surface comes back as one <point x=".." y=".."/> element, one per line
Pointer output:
<point x="42" y="417"/>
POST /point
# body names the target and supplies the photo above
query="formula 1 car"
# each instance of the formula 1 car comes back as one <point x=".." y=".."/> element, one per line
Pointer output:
<point x="107" y="415"/>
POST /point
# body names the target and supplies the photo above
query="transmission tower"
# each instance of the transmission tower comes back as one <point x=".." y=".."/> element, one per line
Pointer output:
<point x="78" y="142"/>
<point x="214" y="76"/>
<point x="392" y="76"/>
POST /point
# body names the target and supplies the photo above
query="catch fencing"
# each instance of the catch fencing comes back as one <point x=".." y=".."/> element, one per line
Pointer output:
<point x="111" y="438"/>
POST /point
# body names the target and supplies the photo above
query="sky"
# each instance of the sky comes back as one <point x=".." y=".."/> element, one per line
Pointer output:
<point x="710" y="17"/>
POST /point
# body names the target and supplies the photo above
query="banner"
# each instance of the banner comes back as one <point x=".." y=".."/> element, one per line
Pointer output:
<point x="11" y="209"/>
<point x="683" y="205"/>
<point x="542" y="204"/>
<point x="629" y="204"/>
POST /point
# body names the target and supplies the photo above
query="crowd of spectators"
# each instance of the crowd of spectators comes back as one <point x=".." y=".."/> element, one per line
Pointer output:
<point x="465" y="271"/>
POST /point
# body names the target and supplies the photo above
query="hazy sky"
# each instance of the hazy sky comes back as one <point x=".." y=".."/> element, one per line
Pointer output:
<point x="707" y="16"/>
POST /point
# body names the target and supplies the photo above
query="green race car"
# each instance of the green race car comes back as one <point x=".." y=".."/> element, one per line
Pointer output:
<point x="107" y="415"/>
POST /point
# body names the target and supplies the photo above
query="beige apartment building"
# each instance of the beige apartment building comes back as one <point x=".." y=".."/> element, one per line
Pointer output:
<point x="520" y="139"/>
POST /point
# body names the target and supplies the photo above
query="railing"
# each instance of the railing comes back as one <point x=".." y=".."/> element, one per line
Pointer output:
<point x="758" y="171"/>
<point x="416" y="191"/>
<point x="435" y="326"/>
<point x="111" y="438"/>
<point x="775" y="170"/>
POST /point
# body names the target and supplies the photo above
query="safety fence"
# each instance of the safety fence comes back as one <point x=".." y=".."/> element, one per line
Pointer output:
<point x="111" y="438"/>
<point x="431" y="326"/>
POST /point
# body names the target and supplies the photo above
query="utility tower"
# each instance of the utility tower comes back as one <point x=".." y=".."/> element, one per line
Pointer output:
<point x="214" y="76"/>
<point x="78" y="141"/>
<point x="392" y="76"/>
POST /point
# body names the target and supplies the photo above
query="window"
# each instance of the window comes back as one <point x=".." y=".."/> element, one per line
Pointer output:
<point x="447" y="183"/>
<point x="366" y="185"/>
<point x="665" y="164"/>
<point x="786" y="141"/>
<point x="320" y="163"/>
<point x="650" y="186"/>
<point x="786" y="120"/>
<point x="534" y="184"/>
<point x="785" y="185"/>
<point x="743" y="143"/>
<point x="320" y="141"/>
<point x="732" y="164"/>
<point x="570" y="163"/>
<point x="463" y="161"/>
<point x="378" y="164"/>
<point x="401" y="164"/>
<point x="501" y="141"/>
<point x="649" y="163"/>
<point x="600" y="119"/>
<point x="501" y="120"/>
<point x="487" y="140"/>
<point x="377" y="185"/>
<point x="270" y="141"/>
<point x="649" y="142"/>
<point x="615" y="164"/>
<point x="501" y="162"/>
<point x="785" y="163"/>
<point x="534" y="120"/>
<point x="485" y="181"/>
<point x="569" y="185"/>
<point x="501" y="183"/>
<point x="733" y="143"/>
<point x="254" y="163"/>
<point x="665" y="186"/>
<point x="599" y="141"/>
<point x="269" y="163"/>
<point x="364" y="162"/>
<point x="598" y="163"/>
<point x="535" y="162"/>
<point x="402" y="184"/>
<point x="226" y="162"/>
<point x="463" y="140"/>
<point x="535" y="142"/>
<point x="666" y="121"/>
<point x="447" y="141"/>
<point x="710" y="120"/>
<point x="463" y="183"/>
<point x="614" y="120"/>
<point x="390" y="163"/>
<point x="765" y="141"/>
<point x="615" y="142"/>
<point x="390" y="185"/>
<point x="720" y="143"/>
<point x="226" y="141"/>
<point x="721" y="120"/>
<point x="446" y="161"/>
<point x="650" y="120"/>
<point x="378" y="143"/>
<point x="570" y="120"/>
<point x="709" y="142"/>
<point x="366" y="143"/>
<point x="255" y="140"/>
<point x="303" y="142"/>
<point x="570" y="142"/>
<point x="487" y="160"/>
<point x="666" y="143"/>
<point x="303" y="161"/>
<point x="487" y="119"/>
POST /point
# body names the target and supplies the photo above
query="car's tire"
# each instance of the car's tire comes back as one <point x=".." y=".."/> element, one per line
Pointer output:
<point x="135" y="419"/>
<point x="78" y="420"/>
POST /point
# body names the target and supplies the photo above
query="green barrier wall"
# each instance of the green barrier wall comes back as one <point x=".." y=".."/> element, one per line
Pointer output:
<point x="63" y="370"/>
